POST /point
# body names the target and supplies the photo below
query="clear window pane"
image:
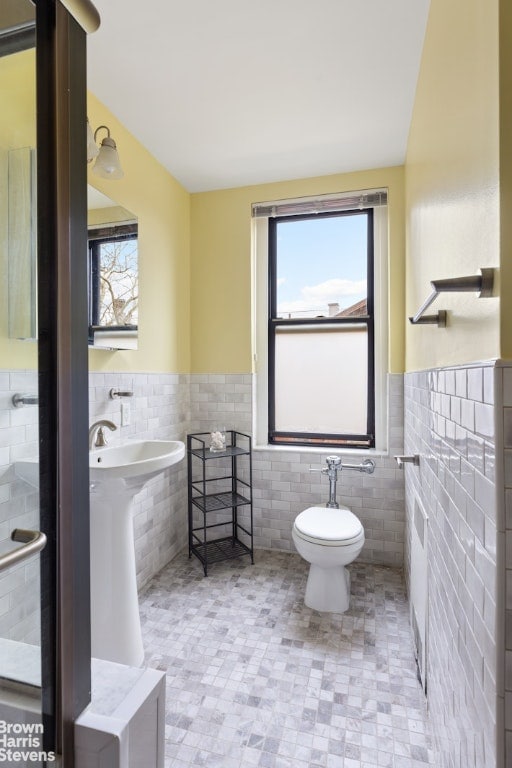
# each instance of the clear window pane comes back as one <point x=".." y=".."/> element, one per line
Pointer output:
<point x="321" y="266"/>
<point x="118" y="294"/>
<point x="321" y="380"/>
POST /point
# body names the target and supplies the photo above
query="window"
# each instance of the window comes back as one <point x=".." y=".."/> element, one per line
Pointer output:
<point x="321" y="358"/>
<point x="113" y="279"/>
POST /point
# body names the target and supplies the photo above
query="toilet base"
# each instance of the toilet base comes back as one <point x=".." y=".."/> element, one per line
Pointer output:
<point x="328" y="589"/>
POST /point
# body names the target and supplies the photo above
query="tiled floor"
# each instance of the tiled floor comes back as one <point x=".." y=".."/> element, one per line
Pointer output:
<point x="254" y="678"/>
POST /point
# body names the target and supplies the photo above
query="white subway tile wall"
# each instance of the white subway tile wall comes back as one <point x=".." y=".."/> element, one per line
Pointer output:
<point x="460" y="422"/>
<point x="170" y="406"/>
<point x="450" y="423"/>
<point x="159" y="409"/>
<point x="283" y="484"/>
<point x="19" y="508"/>
<point x="504" y="400"/>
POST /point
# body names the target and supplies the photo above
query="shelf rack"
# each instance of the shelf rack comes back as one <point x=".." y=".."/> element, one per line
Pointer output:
<point x="219" y="503"/>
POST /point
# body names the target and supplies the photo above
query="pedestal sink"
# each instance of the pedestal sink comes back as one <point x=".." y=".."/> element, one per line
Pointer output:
<point x="116" y="474"/>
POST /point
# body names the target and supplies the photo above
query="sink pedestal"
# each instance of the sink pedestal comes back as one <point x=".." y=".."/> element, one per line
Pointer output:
<point x="115" y="621"/>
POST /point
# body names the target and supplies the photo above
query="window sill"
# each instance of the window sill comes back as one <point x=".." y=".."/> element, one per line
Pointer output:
<point x="362" y="452"/>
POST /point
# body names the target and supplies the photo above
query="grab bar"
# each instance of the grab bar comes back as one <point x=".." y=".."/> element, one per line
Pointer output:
<point x="19" y="400"/>
<point x="33" y="541"/>
<point x="482" y="284"/>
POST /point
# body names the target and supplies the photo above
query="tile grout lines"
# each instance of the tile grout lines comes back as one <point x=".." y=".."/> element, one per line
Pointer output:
<point x="255" y="678"/>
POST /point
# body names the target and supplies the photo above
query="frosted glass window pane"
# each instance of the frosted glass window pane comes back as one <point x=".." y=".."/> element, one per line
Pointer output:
<point x="321" y="381"/>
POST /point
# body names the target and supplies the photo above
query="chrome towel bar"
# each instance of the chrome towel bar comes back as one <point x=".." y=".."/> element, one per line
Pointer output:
<point x="482" y="284"/>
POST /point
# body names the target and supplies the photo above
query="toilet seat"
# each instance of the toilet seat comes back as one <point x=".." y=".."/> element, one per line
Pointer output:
<point x="329" y="527"/>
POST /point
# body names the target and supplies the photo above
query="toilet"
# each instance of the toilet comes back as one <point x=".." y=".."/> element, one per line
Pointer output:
<point x="329" y="539"/>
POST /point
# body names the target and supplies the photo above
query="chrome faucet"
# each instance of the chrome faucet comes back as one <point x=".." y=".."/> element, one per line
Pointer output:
<point x="97" y="437"/>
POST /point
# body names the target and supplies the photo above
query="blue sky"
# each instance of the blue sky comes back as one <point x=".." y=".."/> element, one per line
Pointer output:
<point x="321" y="260"/>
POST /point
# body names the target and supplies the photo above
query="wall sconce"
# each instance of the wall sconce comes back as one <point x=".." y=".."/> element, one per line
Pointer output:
<point x="107" y="163"/>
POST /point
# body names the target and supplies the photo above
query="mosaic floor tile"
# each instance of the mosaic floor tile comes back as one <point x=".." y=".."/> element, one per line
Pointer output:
<point x="255" y="678"/>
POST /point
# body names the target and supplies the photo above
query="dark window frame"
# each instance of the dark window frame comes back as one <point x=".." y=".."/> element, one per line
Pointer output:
<point x="321" y="440"/>
<point x="96" y="238"/>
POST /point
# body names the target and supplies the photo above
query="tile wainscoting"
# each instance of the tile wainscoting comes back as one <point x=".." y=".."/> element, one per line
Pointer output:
<point x="169" y="406"/>
<point x="460" y="422"/>
<point x="453" y="420"/>
<point x="159" y="410"/>
<point x="283" y="484"/>
<point x="19" y="508"/>
<point x="504" y="390"/>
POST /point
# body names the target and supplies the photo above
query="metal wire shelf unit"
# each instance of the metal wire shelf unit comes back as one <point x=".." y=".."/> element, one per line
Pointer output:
<point x="220" y="514"/>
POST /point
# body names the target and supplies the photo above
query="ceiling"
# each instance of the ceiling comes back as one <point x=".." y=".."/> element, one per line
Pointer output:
<point x="231" y="93"/>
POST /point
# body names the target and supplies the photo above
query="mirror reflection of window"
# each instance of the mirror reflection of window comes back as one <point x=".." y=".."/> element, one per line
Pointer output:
<point x="113" y="288"/>
<point x="113" y="281"/>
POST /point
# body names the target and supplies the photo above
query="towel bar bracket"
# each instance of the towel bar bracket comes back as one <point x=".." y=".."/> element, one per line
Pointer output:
<point x="438" y="319"/>
<point x="483" y="284"/>
<point x="487" y="284"/>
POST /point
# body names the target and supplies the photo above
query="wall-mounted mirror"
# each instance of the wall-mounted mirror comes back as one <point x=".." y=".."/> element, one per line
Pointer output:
<point x="21" y="243"/>
<point x="113" y="273"/>
<point x="112" y="262"/>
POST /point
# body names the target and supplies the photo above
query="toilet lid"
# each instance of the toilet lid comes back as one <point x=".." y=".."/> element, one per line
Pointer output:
<point x="334" y="527"/>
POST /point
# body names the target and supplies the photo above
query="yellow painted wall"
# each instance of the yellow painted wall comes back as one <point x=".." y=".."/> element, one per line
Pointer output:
<point x="506" y="176"/>
<point x="452" y="182"/>
<point x="162" y="207"/>
<point x="195" y="250"/>
<point x="221" y="265"/>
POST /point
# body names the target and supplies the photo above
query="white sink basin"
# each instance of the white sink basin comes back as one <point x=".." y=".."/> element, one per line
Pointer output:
<point x="138" y="459"/>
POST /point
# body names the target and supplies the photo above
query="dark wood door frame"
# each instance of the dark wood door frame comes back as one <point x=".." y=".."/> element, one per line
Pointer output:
<point x="63" y="370"/>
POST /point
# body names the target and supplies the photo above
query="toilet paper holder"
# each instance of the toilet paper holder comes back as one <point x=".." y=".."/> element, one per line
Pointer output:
<point x="401" y="460"/>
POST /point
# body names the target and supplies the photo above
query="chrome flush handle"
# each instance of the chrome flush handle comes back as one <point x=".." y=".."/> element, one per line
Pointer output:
<point x="335" y="465"/>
